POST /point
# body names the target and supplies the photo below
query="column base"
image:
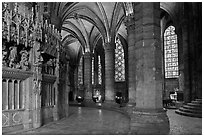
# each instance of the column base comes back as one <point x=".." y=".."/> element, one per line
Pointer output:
<point x="27" y="123"/>
<point x="37" y="119"/>
<point x="130" y="104"/>
<point x="66" y="110"/>
<point x="55" y="113"/>
<point x="110" y="101"/>
<point x="110" y="104"/>
<point x="149" y="122"/>
<point x="88" y="96"/>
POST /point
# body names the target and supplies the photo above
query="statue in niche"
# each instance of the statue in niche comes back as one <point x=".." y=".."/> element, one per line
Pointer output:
<point x="5" y="30"/>
<point x="4" y="55"/>
<point x="38" y="56"/>
<point x="31" y="40"/>
<point x="24" y="64"/>
<point x="13" y="56"/>
<point x="22" y="36"/>
<point x="49" y="66"/>
<point x="13" y="33"/>
<point x="37" y="86"/>
<point x="46" y="38"/>
<point x="53" y="66"/>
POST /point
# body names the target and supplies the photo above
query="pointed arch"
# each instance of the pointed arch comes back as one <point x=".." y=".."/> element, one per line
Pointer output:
<point x="105" y="19"/>
<point x="119" y="61"/>
<point x="114" y="24"/>
<point x="82" y="42"/>
<point x="170" y="53"/>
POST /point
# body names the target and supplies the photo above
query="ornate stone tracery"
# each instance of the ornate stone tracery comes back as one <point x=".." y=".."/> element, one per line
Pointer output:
<point x="15" y="32"/>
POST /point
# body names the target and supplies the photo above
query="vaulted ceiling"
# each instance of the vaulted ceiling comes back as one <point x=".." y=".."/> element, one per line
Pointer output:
<point x="83" y="24"/>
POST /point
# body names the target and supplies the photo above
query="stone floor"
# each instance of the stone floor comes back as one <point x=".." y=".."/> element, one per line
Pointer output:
<point x="84" y="120"/>
<point x="183" y="125"/>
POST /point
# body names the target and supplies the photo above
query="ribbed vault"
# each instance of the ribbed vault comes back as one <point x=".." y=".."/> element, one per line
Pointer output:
<point x="87" y="22"/>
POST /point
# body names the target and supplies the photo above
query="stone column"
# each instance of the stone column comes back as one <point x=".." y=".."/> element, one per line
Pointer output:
<point x="56" y="86"/>
<point x="130" y="24"/>
<point x="37" y="116"/>
<point x="109" y="72"/>
<point x="148" y="116"/>
<point x="87" y="76"/>
<point x="180" y="57"/>
<point x="185" y="57"/>
<point x="67" y="90"/>
<point x="76" y="90"/>
<point x="27" y="103"/>
<point x="198" y="51"/>
<point x="27" y="99"/>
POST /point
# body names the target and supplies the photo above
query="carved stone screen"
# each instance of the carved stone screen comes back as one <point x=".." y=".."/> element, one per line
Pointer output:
<point x="171" y="53"/>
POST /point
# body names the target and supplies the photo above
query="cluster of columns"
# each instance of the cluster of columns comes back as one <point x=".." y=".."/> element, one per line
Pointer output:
<point x="190" y="52"/>
<point x="184" y="65"/>
<point x="109" y="71"/>
<point x="145" y="56"/>
<point x="148" y="56"/>
<point x="130" y="24"/>
<point x="145" y="70"/>
<point x="87" y="75"/>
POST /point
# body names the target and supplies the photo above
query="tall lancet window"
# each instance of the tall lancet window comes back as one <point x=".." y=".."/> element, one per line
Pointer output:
<point x="92" y="69"/>
<point x="80" y="72"/>
<point x="171" y="53"/>
<point x="99" y="71"/>
<point x="119" y="61"/>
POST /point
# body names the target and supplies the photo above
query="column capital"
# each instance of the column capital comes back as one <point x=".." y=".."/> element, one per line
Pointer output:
<point x="130" y="22"/>
<point x="87" y="55"/>
<point x="108" y="46"/>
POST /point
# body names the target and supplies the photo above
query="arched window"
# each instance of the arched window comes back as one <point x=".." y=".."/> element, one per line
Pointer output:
<point x="99" y="71"/>
<point x="119" y="61"/>
<point x="171" y="53"/>
<point x="80" y="72"/>
<point x="92" y="70"/>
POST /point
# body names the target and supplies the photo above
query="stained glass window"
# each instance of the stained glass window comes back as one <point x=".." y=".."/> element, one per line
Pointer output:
<point x="119" y="62"/>
<point x="171" y="53"/>
<point x="80" y="72"/>
<point x="92" y="76"/>
<point x="99" y="71"/>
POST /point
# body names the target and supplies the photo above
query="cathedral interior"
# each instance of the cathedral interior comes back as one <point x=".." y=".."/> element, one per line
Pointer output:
<point x="134" y="58"/>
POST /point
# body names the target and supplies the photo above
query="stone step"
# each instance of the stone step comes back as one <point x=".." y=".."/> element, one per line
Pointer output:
<point x="190" y="110"/>
<point x="192" y="107"/>
<point x="188" y="114"/>
<point x="197" y="102"/>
